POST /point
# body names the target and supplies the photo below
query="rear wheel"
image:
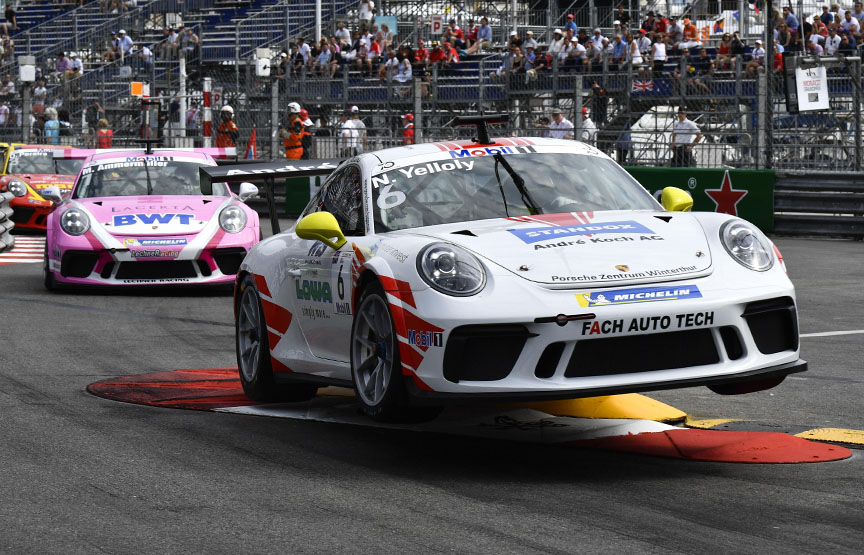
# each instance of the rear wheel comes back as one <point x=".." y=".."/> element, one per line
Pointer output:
<point x="253" y="352"/>
<point x="375" y="365"/>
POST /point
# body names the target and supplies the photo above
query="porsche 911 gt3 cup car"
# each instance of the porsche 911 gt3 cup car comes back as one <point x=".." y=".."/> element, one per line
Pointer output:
<point x="514" y="269"/>
<point x="28" y="170"/>
<point x="137" y="218"/>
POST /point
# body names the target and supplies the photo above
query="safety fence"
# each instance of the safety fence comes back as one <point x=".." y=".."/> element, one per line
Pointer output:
<point x="7" y="240"/>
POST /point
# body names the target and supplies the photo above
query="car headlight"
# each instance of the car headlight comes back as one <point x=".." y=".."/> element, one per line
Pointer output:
<point x="746" y="244"/>
<point x="232" y="219"/>
<point x="74" y="222"/>
<point x="17" y="188"/>
<point x="451" y="270"/>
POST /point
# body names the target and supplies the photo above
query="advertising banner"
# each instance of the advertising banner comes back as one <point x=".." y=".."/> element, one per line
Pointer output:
<point x="748" y="194"/>
<point x="812" y="87"/>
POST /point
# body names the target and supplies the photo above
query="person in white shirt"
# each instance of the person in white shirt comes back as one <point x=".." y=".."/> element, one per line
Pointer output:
<point x="360" y="127"/>
<point x="303" y="49"/>
<point x="557" y="44"/>
<point x="850" y="24"/>
<point x="529" y="41"/>
<point x="589" y="128"/>
<point x="561" y="127"/>
<point x="347" y="136"/>
<point x="658" y="57"/>
<point x="758" y="60"/>
<point x="832" y="41"/>
<point x="597" y="37"/>
<point x="76" y="66"/>
<point x="634" y="53"/>
<point x="40" y="93"/>
<point x="685" y="134"/>
<point x="342" y="34"/>
<point x="366" y="11"/>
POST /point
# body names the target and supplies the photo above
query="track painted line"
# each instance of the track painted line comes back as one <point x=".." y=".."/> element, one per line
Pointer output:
<point x="832" y="333"/>
<point x="707" y="423"/>
<point x="834" y="435"/>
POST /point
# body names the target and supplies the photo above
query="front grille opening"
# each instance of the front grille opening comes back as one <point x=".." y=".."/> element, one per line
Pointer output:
<point x="107" y="269"/>
<point x="204" y="268"/>
<point x="642" y="353"/>
<point x="229" y="260"/>
<point x="40" y="219"/>
<point x="773" y="324"/>
<point x="22" y="214"/>
<point x="549" y="360"/>
<point x="78" y="264"/>
<point x="483" y="353"/>
<point x="732" y="342"/>
<point x="156" y="269"/>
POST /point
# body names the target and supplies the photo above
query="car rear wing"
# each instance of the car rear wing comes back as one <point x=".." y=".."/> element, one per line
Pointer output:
<point x="216" y="153"/>
<point x="266" y="172"/>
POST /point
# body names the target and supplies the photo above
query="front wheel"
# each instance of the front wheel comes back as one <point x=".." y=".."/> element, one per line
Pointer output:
<point x="253" y="352"/>
<point x="375" y="365"/>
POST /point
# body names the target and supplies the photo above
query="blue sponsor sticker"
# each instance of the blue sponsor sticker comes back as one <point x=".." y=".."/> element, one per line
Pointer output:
<point x="638" y="295"/>
<point x="160" y="242"/>
<point x="535" y="234"/>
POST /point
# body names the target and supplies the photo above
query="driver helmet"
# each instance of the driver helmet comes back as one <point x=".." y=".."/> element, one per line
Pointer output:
<point x="227" y="110"/>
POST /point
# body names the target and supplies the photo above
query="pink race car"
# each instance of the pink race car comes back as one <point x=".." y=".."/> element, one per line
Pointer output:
<point x="139" y="218"/>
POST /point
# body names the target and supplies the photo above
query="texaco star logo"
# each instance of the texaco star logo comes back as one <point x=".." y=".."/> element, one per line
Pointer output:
<point x="726" y="198"/>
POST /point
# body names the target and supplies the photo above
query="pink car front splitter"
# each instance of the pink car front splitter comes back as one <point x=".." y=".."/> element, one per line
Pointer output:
<point x="126" y="238"/>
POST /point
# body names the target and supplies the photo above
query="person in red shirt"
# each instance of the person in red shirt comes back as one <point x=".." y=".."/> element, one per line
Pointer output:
<point x="471" y="34"/>
<point x="451" y="55"/>
<point x="103" y="134"/>
<point x="436" y="55"/>
<point x="421" y="55"/>
<point x="408" y="129"/>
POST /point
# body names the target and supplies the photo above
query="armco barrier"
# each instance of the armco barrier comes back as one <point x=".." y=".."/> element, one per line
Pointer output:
<point x="826" y="205"/>
<point x="7" y="240"/>
<point x="748" y="194"/>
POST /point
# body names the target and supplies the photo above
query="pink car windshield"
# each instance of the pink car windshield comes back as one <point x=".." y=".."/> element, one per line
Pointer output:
<point x="157" y="176"/>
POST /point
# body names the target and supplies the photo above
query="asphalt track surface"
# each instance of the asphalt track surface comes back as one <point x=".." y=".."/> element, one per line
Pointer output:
<point x="81" y="474"/>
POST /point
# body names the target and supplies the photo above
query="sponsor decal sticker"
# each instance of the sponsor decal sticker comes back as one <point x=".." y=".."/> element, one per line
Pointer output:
<point x="648" y="323"/>
<point x="638" y="295"/>
<point x="155" y="253"/>
<point x="152" y="219"/>
<point x="611" y="277"/>
<point x="426" y="338"/>
<point x="161" y="242"/>
<point x="491" y="151"/>
<point x="318" y="291"/>
<point x="537" y="234"/>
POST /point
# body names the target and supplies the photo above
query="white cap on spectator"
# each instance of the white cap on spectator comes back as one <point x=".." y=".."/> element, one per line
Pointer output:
<point x="122" y="31"/>
<point x="530" y="33"/>
<point x="354" y="109"/>
<point x="514" y="34"/>
<point x="557" y="32"/>
<point x="758" y="42"/>
<point x="73" y="55"/>
<point x="616" y="22"/>
<point x="574" y="39"/>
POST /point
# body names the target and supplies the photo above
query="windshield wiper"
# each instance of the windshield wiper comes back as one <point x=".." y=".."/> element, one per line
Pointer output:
<point x="149" y="185"/>
<point x="519" y="182"/>
<point x="501" y="186"/>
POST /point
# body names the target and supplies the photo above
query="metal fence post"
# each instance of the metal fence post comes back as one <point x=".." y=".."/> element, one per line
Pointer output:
<point x="856" y="74"/>
<point x="761" y="121"/>
<point x="577" y="107"/>
<point x="274" y="119"/>
<point x="769" y="90"/>
<point x="418" y="112"/>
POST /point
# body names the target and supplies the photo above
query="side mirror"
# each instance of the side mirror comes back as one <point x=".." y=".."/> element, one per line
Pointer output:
<point x="52" y="193"/>
<point x="674" y="199"/>
<point x="247" y="191"/>
<point x="321" y="226"/>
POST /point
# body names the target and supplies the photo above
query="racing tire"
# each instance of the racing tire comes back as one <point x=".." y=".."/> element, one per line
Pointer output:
<point x="47" y="275"/>
<point x="253" y="352"/>
<point x="376" y="370"/>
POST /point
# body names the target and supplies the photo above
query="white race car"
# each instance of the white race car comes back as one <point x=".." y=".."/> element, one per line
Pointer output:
<point x="505" y="269"/>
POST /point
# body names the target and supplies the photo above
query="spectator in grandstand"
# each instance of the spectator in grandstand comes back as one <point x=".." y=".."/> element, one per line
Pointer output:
<point x="832" y="42"/>
<point x="295" y="60"/>
<point x="561" y="127"/>
<point x="11" y="17"/>
<point x="388" y="67"/>
<point x="846" y="48"/>
<point x="790" y="20"/>
<point x="557" y="44"/>
<point x="362" y="59"/>
<point x="304" y="49"/>
<point x="227" y="132"/>
<point x="281" y="65"/>
<point x="634" y="55"/>
<point x="857" y="14"/>
<point x="575" y="57"/>
<point x="758" y="61"/>
<point x="322" y="64"/>
<point x="783" y="36"/>
<point x="52" y="125"/>
<point x="7" y="90"/>
<point x="104" y="134"/>
<point x="685" y="134"/>
<point x="124" y="43"/>
<point x="484" y="37"/>
<point x="335" y="45"/>
<point x="690" y="35"/>
<point x="342" y="34"/>
<point x="408" y="129"/>
<point x="514" y="40"/>
<point x="76" y="67"/>
<point x="813" y="49"/>
<point x="421" y="55"/>
<point x="675" y="30"/>
<point x="7" y="48"/>
<point x="436" y="56"/>
<point x="661" y="24"/>
<point x="453" y="35"/>
<point x="658" y="56"/>
<point x="593" y="56"/>
<point x="571" y="24"/>
<point x="62" y="65"/>
<point x="404" y="72"/>
<point x="597" y="37"/>
<point x="827" y="17"/>
<point x="167" y="47"/>
<point x="470" y="33"/>
<point x="384" y="37"/>
<point x="648" y="24"/>
<point x="644" y="43"/>
<point x="817" y="28"/>
<point x="529" y="41"/>
<point x="189" y="43"/>
<point x="40" y="93"/>
<point x="92" y="114"/>
<point x="366" y="12"/>
<point x="619" y="52"/>
<point x="451" y="56"/>
<point x="850" y="24"/>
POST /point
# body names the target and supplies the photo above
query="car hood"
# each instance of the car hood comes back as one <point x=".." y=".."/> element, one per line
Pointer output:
<point x="39" y="181"/>
<point x="153" y="215"/>
<point x="585" y="248"/>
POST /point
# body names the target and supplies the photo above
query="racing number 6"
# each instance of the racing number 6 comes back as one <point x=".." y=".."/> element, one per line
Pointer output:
<point x="340" y="284"/>
<point x="396" y="198"/>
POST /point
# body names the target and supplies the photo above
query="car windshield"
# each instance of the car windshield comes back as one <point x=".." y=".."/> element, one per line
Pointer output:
<point x="467" y="189"/>
<point x="40" y="161"/>
<point x="130" y="177"/>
